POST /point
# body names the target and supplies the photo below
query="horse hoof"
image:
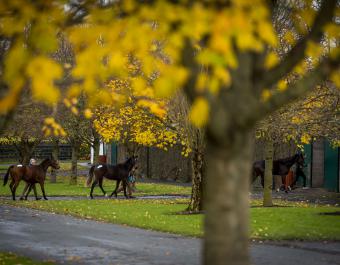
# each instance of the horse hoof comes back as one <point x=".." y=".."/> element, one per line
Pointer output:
<point x="21" y="199"/>
<point x="46" y="199"/>
<point x="37" y="199"/>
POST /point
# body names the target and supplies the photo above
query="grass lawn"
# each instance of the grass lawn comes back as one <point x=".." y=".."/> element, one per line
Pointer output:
<point x="62" y="188"/>
<point x="289" y="221"/>
<point x="7" y="258"/>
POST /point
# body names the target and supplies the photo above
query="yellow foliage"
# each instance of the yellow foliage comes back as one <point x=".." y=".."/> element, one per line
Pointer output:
<point x="88" y="113"/>
<point x="51" y="126"/>
<point x="282" y="85"/>
<point x="271" y="60"/>
<point x="266" y="94"/>
<point x="148" y="48"/>
<point x="305" y="138"/>
<point x="335" y="77"/>
<point x="289" y="37"/>
<point x="44" y="72"/>
<point x="199" y="112"/>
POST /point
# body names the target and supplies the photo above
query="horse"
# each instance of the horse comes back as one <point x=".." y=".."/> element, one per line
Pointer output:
<point x="30" y="174"/>
<point x="280" y="167"/>
<point x="119" y="172"/>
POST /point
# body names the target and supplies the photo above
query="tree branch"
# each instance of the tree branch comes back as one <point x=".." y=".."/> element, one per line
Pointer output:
<point x="300" y="87"/>
<point x="297" y="53"/>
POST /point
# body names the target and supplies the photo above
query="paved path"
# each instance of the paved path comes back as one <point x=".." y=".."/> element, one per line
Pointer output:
<point x="314" y="195"/>
<point x="101" y="197"/>
<point x="69" y="240"/>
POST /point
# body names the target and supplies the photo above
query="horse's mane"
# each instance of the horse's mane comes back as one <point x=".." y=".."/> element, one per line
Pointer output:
<point x="128" y="163"/>
<point x="44" y="161"/>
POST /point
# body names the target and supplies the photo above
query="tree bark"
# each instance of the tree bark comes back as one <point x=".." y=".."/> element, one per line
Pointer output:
<point x="226" y="200"/>
<point x="55" y="155"/>
<point x="26" y="150"/>
<point x="96" y="147"/>
<point x="196" y="201"/>
<point x="75" y="149"/>
<point x="268" y="173"/>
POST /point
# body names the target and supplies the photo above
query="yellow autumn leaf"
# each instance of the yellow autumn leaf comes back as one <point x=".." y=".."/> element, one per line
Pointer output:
<point x="199" y="112"/>
<point x="282" y="85"/>
<point x="44" y="72"/>
<point x="88" y="113"/>
<point x="265" y="95"/>
<point x="305" y="138"/>
<point x="271" y="60"/>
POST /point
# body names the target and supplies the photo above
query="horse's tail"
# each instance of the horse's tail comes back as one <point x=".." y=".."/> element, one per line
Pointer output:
<point x="90" y="177"/>
<point x="7" y="175"/>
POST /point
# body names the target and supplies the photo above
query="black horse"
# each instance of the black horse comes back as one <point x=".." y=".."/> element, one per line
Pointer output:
<point x="119" y="172"/>
<point x="280" y="167"/>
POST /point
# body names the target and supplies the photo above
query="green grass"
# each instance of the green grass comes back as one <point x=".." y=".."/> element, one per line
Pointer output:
<point x="7" y="258"/>
<point x="295" y="221"/>
<point x="62" y="188"/>
<point x="290" y="221"/>
<point x="160" y="215"/>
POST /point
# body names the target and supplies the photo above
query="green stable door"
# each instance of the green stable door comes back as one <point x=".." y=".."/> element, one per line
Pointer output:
<point x="331" y="173"/>
<point x="308" y="165"/>
<point x="114" y="156"/>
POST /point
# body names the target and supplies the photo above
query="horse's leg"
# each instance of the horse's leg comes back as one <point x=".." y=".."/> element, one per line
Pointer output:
<point x="262" y="180"/>
<point x="95" y="182"/>
<point x="124" y="188"/>
<point x="115" y="190"/>
<point x="43" y="189"/>
<point x="285" y="183"/>
<point x="101" y="186"/>
<point x="130" y="188"/>
<point x="29" y="190"/>
<point x="24" y="191"/>
<point x="14" y="188"/>
<point x="35" y="192"/>
<point x="11" y="184"/>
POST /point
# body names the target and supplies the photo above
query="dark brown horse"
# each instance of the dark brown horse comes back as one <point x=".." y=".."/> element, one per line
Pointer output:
<point x="280" y="167"/>
<point x="119" y="172"/>
<point x="30" y="174"/>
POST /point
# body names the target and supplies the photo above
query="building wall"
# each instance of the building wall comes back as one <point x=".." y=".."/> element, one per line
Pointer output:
<point x="158" y="164"/>
<point x="318" y="164"/>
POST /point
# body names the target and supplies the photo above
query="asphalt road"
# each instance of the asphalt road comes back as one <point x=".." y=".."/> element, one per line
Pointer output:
<point x="68" y="240"/>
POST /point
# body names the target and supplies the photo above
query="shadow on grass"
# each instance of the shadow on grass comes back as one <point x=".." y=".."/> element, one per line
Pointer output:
<point x="186" y="213"/>
<point x="273" y="206"/>
<point x="337" y="213"/>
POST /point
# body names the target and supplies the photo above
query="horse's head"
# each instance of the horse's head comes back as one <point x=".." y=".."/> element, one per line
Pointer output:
<point x="299" y="159"/>
<point x="131" y="161"/>
<point x="53" y="163"/>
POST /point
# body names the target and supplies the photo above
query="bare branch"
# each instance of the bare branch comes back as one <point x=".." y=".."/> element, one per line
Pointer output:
<point x="300" y="87"/>
<point x="297" y="53"/>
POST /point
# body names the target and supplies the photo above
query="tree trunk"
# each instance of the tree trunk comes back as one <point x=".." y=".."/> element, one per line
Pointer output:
<point x="26" y="150"/>
<point x="268" y="173"/>
<point x="55" y="155"/>
<point x="226" y="200"/>
<point x="75" y="149"/>
<point x="96" y="147"/>
<point x="196" y="201"/>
